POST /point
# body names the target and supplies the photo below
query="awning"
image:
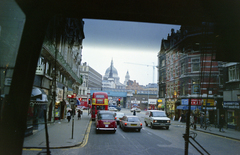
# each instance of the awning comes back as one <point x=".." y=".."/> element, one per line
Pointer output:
<point x="184" y="107"/>
<point x="38" y="95"/>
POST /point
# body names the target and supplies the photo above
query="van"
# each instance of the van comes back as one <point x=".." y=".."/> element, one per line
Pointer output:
<point x="157" y="118"/>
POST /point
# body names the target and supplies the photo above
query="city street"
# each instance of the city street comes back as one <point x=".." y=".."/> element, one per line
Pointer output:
<point x="148" y="141"/>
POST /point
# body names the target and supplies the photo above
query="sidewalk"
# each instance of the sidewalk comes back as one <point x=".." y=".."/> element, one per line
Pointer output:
<point x="60" y="134"/>
<point x="229" y="133"/>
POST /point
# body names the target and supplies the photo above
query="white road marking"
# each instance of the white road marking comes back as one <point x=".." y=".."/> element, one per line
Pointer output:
<point x="122" y="135"/>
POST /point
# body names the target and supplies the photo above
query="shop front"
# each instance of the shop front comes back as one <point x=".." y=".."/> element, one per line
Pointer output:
<point x="171" y="109"/>
<point x="161" y="104"/>
<point x="152" y="104"/>
<point x="35" y="118"/>
<point x="232" y="113"/>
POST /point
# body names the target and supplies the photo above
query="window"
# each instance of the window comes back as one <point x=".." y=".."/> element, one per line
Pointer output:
<point x="176" y="71"/>
<point x="183" y="89"/>
<point x="233" y="73"/>
<point x="163" y="63"/>
<point x="195" y="87"/>
<point x="195" y="64"/>
<point x="182" y="68"/>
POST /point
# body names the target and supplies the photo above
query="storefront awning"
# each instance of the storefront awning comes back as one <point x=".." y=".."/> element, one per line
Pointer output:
<point x="38" y="95"/>
<point x="183" y="107"/>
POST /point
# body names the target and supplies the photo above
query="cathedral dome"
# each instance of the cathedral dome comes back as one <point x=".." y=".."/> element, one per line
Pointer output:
<point x="114" y="72"/>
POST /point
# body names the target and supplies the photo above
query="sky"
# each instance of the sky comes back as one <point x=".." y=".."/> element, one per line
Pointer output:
<point x="133" y="47"/>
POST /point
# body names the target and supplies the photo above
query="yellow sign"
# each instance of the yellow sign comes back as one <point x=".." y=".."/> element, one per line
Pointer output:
<point x="210" y="102"/>
<point x="159" y="100"/>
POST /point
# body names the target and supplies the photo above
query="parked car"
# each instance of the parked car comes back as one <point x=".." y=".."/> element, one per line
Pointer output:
<point x="118" y="116"/>
<point x="112" y="109"/>
<point x="130" y="122"/>
<point x="157" y="118"/>
<point x="105" y="121"/>
<point x="136" y="109"/>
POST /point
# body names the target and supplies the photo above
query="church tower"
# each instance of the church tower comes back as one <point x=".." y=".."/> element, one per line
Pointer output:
<point x="127" y="77"/>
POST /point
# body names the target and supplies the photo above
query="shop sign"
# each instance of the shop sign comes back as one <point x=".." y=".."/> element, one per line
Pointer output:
<point x="159" y="100"/>
<point x="231" y="105"/>
<point x="152" y="101"/>
<point x="210" y="102"/>
<point x="193" y="101"/>
<point x="40" y="70"/>
<point x="8" y="81"/>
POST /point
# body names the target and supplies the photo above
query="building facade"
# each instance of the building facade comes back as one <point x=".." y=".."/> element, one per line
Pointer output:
<point x="188" y="71"/>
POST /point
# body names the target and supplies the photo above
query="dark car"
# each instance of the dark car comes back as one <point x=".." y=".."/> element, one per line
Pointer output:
<point x="105" y="121"/>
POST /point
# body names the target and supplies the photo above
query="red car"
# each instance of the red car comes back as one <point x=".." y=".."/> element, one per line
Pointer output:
<point x="106" y="121"/>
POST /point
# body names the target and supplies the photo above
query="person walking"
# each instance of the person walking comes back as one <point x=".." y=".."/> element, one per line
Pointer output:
<point x="79" y="114"/>
<point x="192" y="121"/>
<point x="69" y="115"/>
<point x="134" y="112"/>
<point x="221" y="123"/>
<point x="201" y="120"/>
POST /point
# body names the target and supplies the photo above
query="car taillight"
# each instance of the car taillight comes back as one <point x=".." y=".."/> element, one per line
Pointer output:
<point x="141" y="124"/>
<point x="125" y="124"/>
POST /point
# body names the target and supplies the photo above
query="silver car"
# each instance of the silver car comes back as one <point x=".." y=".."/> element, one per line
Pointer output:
<point x="130" y="122"/>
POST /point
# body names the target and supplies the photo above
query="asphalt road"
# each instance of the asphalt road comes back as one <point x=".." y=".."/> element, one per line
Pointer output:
<point x="148" y="142"/>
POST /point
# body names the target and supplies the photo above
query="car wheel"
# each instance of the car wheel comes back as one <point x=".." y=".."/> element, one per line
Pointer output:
<point x="151" y="126"/>
<point x="146" y="124"/>
<point x="167" y="127"/>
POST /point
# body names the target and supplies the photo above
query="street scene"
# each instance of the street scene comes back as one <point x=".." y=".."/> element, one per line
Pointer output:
<point x="148" y="141"/>
<point x="119" y="77"/>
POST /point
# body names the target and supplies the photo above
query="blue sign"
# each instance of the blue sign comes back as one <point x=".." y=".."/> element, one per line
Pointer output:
<point x="184" y="101"/>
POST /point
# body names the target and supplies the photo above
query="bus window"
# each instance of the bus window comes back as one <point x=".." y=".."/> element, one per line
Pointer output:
<point x="100" y="107"/>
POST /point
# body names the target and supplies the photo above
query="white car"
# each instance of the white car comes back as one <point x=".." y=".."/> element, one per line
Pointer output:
<point x="157" y="118"/>
<point x="136" y="109"/>
<point x="118" y="116"/>
<point x="112" y="109"/>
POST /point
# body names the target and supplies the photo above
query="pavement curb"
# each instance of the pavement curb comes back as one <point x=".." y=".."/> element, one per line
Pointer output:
<point x="62" y="147"/>
<point x="217" y="134"/>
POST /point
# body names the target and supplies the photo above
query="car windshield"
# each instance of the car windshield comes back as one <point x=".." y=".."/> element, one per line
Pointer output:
<point x="158" y="114"/>
<point x="133" y="119"/>
<point x="106" y="116"/>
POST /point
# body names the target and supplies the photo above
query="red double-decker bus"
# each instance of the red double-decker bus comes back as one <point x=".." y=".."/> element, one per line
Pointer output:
<point x="99" y="102"/>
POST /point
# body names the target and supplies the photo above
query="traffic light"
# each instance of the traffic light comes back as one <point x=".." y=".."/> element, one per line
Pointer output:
<point x="118" y="102"/>
<point x="89" y="101"/>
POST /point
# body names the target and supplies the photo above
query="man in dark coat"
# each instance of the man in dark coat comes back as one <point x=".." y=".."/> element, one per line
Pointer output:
<point x="221" y="123"/>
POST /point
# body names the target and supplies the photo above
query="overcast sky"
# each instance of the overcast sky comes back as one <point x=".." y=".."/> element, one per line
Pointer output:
<point x="125" y="43"/>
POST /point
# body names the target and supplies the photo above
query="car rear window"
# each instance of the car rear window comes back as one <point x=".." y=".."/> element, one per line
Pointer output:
<point x="133" y="119"/>
<point x="106" y="116"/>
<point x="119" y="114"/>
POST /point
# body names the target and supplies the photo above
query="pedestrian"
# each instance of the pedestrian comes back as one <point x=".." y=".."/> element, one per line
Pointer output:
<point x="192" y="121"/>
<point x="221" y="123"/>
<point x="201" y="121"/>
<point x="79" y="114"/>
<point x="69" y="115"/>
<point x="182" y="117"/>
<point x="134" y="112"/>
